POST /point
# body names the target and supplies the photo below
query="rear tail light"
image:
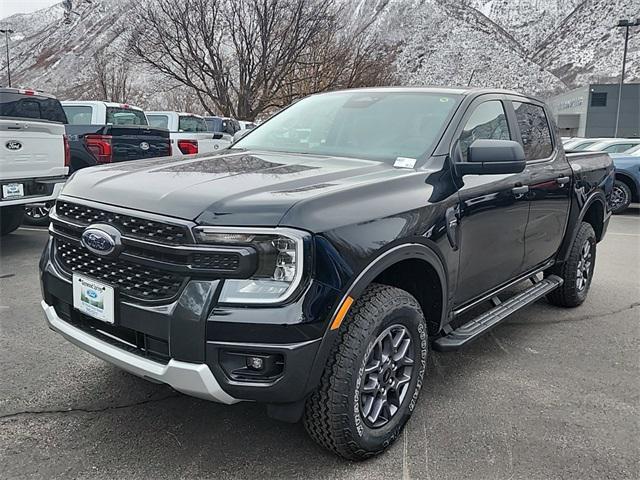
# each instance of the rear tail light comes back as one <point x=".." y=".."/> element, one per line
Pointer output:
<point x="188" y="147"/>
<point x="67" y="152"/>
<point x="100" y="147"/>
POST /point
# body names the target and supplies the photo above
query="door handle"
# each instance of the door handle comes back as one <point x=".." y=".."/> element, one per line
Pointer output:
<point x="520" y="190"/>
<point x="563" y="180"/>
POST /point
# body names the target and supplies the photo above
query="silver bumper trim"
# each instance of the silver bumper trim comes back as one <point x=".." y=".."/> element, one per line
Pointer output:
<point x="193" y="379"/>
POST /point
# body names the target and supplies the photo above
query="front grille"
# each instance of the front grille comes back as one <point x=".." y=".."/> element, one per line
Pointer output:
<point x="134" y="227"/>
<point x="132" y="279"/>
<point x="217" y="261"/>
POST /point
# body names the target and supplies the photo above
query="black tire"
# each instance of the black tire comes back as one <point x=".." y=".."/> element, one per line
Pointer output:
<point x="575" y="272"/>
<point x="334" y="414"/>
<point x="620" y="197"/>
<point x="37" y="215"/>
<point x="10" y="218"/>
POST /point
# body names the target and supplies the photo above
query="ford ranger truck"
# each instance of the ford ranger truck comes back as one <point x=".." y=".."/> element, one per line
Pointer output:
<point x="34" y="153"/>
<point x="313" y="264"/>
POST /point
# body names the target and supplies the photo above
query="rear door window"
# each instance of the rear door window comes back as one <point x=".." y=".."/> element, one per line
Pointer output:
<point x="534" y="130"/>
<point x="488" y="122"/>
<point x="18" y="105"/>
<point x="79" y="114"/>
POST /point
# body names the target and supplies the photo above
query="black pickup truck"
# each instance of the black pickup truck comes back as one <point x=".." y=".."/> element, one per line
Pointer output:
<point x="103" y="132"/>
<point x="311" y="265"/>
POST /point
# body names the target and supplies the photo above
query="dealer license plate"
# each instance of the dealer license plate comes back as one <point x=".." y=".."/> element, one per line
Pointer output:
<point x="93" y="298"/>
<point x="12" y="190"/>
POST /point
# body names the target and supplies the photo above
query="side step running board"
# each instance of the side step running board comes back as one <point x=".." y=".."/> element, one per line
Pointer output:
<point x="479" y="325"/>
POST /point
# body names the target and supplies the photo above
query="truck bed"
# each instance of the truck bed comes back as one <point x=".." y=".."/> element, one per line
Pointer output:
<point x="127" y="143"/>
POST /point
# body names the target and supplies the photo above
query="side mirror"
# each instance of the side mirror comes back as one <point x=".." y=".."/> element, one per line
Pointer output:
<point x="239" y="134"/>
<point x="486" y="157"/>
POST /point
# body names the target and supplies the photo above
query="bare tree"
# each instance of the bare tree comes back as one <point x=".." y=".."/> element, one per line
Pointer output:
<point x="244" y="57"/>
<point x="113" y="77"/>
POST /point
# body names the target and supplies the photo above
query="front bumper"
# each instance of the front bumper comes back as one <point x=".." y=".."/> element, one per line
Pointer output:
<point x="186" y="342"/>
<point x="193" y="379"/>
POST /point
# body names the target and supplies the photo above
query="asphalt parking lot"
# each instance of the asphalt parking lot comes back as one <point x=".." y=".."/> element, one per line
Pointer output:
<point x="551" y="393"/>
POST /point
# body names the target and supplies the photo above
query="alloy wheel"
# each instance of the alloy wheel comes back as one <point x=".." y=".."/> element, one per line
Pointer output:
<point x="38" y="211"/>
<point x="585" y="264"/>
<point x="618" y="198"/>
<point x="386" y="376"/>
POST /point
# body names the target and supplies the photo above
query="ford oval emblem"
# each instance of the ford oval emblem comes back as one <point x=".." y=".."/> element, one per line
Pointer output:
<point x="102" y="240"/>
<point x="13" y="145"/>
<point x="144" y="146"/>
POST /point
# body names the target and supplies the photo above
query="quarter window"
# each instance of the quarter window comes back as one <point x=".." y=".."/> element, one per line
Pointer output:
<point x="488" y="121"/>
<point x="534" y="129"/>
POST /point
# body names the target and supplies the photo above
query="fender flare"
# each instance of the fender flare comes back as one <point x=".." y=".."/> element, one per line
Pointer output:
<point x="572" y="230"/>
<point x="407" y="251"/>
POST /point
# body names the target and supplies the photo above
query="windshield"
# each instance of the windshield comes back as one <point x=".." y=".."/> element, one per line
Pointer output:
<point x="362" y="124"/>
<point x="125" y="116"/>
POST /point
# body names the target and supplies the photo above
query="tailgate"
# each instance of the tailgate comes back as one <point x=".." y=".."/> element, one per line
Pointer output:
<point x="31" y="149"/>
<point x="207" y="144"/>
<point x="134" y="143"/>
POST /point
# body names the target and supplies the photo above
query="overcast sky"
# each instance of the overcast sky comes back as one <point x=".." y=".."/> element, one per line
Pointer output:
<point x="9" y="7"/>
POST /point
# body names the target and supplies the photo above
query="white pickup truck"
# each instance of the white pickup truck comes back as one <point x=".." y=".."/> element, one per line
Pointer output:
<point x="34" y="152"/>
<point x="189" y="133"/>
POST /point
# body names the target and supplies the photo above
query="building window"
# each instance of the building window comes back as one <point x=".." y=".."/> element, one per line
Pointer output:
<point x="599" y="99"/>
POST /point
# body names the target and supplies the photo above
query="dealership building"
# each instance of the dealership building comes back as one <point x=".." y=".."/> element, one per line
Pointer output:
<point x="591" y="111"/>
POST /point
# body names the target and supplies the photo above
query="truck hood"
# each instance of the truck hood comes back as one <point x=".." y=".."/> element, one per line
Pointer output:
<point x="231" y="188"/>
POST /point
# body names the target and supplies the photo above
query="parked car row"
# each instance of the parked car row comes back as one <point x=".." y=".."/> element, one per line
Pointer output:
<point x="625" y="153"/>
<point x="86" y="133"/>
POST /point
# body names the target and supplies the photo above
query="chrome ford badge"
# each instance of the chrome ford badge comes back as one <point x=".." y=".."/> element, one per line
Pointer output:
<point x="102" y="240"/>
<point x="144" y="146"/>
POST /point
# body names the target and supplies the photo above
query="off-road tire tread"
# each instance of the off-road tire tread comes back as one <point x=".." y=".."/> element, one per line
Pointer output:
<point x="567" y="294"/>
<point x="326" y="417"/>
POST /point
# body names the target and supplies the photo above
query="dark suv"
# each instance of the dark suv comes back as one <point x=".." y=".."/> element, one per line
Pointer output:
<point x="311" y="265"/>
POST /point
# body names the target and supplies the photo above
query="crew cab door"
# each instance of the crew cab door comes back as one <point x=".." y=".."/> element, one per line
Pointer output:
<point x="493" y="208"/>
<point x="548" y="176"/>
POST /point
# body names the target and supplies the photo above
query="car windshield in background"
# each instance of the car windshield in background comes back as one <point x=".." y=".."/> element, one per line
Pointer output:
<point x="125" y="116"/>
<point x="371" y="125"/>
<point x="18" y="105"/>
<point x="191" y="124"/>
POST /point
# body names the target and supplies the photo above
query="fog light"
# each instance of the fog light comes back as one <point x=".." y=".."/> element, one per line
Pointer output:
<point x="255" y="363"/>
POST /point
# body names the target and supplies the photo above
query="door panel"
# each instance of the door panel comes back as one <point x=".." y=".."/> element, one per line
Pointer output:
<point x="493" y="217"/>
<point x="548" y="175"/>
<point x="493" y="221"/>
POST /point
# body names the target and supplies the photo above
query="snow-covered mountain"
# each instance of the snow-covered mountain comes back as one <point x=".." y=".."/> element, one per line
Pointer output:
<point x="536" y="46"/>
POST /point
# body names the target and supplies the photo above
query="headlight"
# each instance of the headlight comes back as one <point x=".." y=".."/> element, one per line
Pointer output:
<point x="280" y="259"/>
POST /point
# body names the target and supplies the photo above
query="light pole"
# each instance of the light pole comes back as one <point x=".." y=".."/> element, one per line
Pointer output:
<point x="6" y="32"/>
<point x="626" y="24"/>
